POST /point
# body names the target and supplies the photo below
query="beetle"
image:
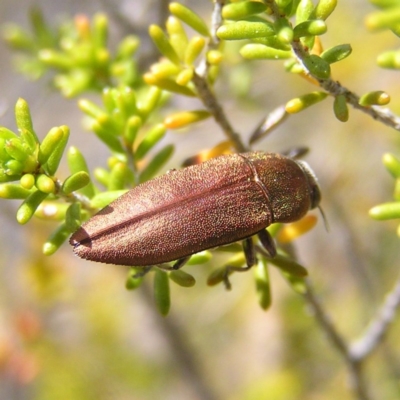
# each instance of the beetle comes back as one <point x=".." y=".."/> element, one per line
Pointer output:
<point x="218" y="202"/>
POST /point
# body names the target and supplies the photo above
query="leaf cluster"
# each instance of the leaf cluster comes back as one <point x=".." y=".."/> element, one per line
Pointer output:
<point x="129" y="124"/>
<point x="76" y="52"/>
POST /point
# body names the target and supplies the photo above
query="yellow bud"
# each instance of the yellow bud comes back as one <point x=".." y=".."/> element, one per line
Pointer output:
<point x="214" y="57"/>
<point x="385" y="211"/>
<point x="152" y="137"/>
<point x="49" y="144"/>
<point x="45" y="184"/>
<point x="284" y="30"/>
<point x="377" y="97"/>
<point x="168" y="85"/>
<point x="28" y="207"/>
<point x="184" y="118"/>
<point x="300" y="103"/>
<point x="218" y="150"/>
<point x="161" y="40"/>
<point x="75" y="182"/>
<point x="193" y="50"/>
<point x="309" y="28"/>
<point x="27" y="181"/>
<point x="120" y="175"/>
<point x="82" y="25"/>
<point x="189" y="17"/>
<point x="383" y="19"/>
<point x="56" y="239"/>
<point x="184" y="77"/>
<point x="389" y="59"/>
<point x="242" y="9"/>
<point x="149" y="101"/>
<point x="200" y="258"/>
<point x="164" y="69"/>
<point x="23" y="117"/>
<point x="177" y="35"/>
<point x="324" y="9"/>
<point x="292" y="231"/>
<point x="237" y="261"/>
<point x="304" y="10"/>
<point x="392" y="164"/>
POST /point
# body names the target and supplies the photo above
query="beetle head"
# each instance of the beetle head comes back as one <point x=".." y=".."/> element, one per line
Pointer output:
<point x="315" y="192"/>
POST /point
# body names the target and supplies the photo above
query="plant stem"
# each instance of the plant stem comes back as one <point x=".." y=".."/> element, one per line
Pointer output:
<point x="204" y="91"/>
<point x="210" y="102"/>
<point x="216" y="19"/>
<point x="335" y="89"/>
<point x="378" y="327"/>
<point x="184" y="355"/>
<point x="74" y="197"/>
<point x="354" y="365"/>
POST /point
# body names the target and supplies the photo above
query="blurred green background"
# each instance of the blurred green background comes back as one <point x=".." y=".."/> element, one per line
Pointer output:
<point x="70" y="330"/>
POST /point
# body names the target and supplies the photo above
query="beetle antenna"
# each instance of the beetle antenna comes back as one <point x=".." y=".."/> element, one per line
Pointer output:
<point x="296" y="152"/>
<point x="326" y="223"/>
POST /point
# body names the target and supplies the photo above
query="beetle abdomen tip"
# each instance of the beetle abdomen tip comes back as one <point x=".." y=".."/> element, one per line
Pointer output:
<point x="80" y="241"/>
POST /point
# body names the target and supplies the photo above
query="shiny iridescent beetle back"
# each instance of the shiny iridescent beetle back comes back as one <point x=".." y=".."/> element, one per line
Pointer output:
<point x="220" y="201"/>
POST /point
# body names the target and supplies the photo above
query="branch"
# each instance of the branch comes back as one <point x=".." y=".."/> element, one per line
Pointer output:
<point x="74" y="197"/>
<point x="383" y="115"/>
<point x="377" y="329"/>
<point x="194" y="376"/>
<point x="216" y="20"/>
<point x="210" y="102"/>
<point x="203" y="88"/>
<point x="339" y="343"/>
<point x="213" y="43"/>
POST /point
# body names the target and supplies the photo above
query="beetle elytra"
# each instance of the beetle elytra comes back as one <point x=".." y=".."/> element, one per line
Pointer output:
<point x="220" y="201"/>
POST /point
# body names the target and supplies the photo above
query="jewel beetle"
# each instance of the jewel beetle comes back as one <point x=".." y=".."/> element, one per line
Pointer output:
<point x="220" y="201"/>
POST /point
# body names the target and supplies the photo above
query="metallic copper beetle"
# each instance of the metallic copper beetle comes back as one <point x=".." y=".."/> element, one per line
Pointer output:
<point x="221" y="201"/>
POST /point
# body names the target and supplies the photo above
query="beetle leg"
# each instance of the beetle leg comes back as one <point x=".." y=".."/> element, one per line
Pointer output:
<point x="250" y="254"/>
<point x="143" y="272"/>
<point x="177" y="265"/>
<point x="267" y="242"/>
<point x="180" y="263"/>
